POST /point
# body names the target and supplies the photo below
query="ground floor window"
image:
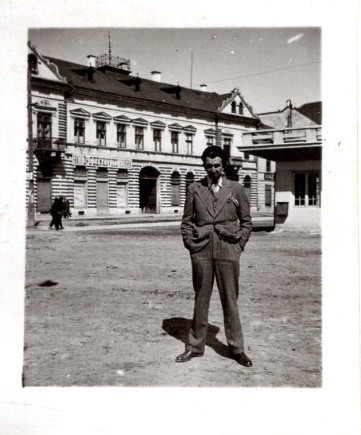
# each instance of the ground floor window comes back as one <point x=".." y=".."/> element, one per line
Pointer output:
<point x="122" y="195"/>
<point x="122" y="188"/>
<point x="307" y="189"/>
<point x="268" y="195"/>
<point x="80" y="194"/>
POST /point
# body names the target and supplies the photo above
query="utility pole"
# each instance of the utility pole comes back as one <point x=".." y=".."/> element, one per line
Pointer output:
<point x="30" y="174"/>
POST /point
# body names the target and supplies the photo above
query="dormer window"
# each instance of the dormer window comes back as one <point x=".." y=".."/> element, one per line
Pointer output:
<point x="233" y="107"/>
<point x="33" y="64"/>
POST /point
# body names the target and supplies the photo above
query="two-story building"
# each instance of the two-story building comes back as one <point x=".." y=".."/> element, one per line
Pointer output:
<point x="113" y="143"/>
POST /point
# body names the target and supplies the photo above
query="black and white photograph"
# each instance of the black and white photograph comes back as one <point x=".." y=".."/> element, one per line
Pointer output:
<point x="121" y="127"/>
<point x="180" y="226"/>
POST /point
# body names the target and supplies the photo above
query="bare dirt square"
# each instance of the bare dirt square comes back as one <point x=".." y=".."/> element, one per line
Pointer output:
<point x="112" y="307"/>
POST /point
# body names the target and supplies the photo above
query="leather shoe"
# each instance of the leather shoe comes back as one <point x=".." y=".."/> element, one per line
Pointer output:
<point x="242" y="359"/>
<point x="187" y="356"/>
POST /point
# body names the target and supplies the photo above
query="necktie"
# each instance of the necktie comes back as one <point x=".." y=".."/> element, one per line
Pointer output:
<point x="215" y="189"/>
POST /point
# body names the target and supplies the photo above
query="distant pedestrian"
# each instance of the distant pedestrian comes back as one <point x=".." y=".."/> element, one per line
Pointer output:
<point x="66" y="212"/>
<point x="56" y="212"/>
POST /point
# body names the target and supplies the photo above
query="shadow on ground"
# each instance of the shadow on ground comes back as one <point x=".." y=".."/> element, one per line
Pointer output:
<point x="178" y="328"/>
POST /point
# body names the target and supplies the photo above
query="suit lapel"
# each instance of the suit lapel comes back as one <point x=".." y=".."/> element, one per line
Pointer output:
<point x="223" y="195"/>
<point x="206" y="196"/>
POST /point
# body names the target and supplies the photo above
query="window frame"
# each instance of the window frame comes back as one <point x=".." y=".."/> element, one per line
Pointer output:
<point x="175" y="142"/>
<point x="305" y="200"/>
<point x="99" y="132"/>
<point x="210" y="140"/>
<point x="139" y="137"/>
<point x="77" y="137"/>
<point x="157" y="139"/>
<point x="189" y="143"/>
<point x="121" y="135"/>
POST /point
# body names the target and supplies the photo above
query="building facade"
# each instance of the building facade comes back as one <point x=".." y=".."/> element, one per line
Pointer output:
<point x="116" y="144"/>
<point x="294" y="142"/>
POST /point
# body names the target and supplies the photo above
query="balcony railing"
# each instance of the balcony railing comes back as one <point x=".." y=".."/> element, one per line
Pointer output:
<point x="300" y="135"/>
<point x="49" y="144"/>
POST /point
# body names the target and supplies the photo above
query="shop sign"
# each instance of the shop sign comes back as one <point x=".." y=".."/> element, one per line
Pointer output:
<point x="104" y="162"/>
<point x="269" y="176"/>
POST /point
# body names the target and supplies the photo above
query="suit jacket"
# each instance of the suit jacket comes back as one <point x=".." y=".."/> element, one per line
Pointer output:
<point x="225" y="219"/>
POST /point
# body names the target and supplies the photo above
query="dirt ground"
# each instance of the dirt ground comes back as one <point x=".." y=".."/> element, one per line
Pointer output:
<point x="112" y="307"/>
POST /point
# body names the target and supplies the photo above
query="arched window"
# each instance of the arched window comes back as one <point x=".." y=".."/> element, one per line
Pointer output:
<point x="189" y="179"/>
<point x="240" y="108"/>
<point x="233" y="106"/>
<point x="175" y="186"/>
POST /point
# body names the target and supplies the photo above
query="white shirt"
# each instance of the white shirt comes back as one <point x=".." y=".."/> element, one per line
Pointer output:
<point x="215" y="186"/>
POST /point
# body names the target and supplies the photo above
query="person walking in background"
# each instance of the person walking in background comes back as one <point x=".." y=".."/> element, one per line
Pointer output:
<point x="216" y="226"/>
<point x="56" y="212"/>
<point x="66" y="213"/>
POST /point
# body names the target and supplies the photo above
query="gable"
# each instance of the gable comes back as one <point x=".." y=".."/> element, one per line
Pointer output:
<point x="43" y="68"/>
<point x="236" y="105"/>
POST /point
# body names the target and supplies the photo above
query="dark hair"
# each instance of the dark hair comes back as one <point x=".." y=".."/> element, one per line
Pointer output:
<point x="215" y="151"/>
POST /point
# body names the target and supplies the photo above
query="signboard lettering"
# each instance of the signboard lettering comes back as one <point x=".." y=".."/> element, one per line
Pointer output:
<point x="269" y="176"/>
<point x="105" y="162"/>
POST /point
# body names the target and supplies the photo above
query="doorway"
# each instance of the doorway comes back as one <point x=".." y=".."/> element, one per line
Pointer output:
<point x="148" y="177"/>
<point x="44" y="201"/>
<point x="102" y="191"/>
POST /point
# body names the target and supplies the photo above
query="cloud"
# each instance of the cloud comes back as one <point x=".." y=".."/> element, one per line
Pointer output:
<point x="295" y="38"/>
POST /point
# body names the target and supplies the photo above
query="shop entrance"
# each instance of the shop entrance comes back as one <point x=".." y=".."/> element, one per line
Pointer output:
<point x="44" y="195"/>
<point x="148" y="181"/>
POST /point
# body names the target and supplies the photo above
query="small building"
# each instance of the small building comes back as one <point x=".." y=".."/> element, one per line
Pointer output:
<point x="294" y="141"/>
<point x="113" y="143"/>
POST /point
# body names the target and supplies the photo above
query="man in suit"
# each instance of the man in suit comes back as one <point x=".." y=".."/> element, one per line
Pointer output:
<point x="215" y="227"/>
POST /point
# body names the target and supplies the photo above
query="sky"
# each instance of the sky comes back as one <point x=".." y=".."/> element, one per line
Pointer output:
<point x="268" y="65"/>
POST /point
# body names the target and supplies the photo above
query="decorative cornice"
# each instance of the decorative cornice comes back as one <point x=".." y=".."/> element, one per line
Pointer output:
<point x="140" y="122"/>
<point x="158" y="124"/>
<point x="102" y="116"/>
<point x="190" y="129"/>
<point x="44" y="106"/>
<point x="210" y="132"/>
<point x="80" y="113"/>
<point x="122" y="119"/>
<point x="175" y="127"/>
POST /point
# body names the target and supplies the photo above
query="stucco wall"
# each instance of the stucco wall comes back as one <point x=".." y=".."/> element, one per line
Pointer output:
<point x="299" y="217"/>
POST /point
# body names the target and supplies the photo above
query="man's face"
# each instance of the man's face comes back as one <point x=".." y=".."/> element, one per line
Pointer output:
<point x="214" y="168"/>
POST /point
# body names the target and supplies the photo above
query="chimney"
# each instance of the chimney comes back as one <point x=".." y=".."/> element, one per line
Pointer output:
<point x="91" y="60"/>
<point x="90" y="73"/>
<point x="203" y="87"/>
<point x="137" y="84"/>
<point x="178" y="92"/>
<point x="156" y="76"/>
